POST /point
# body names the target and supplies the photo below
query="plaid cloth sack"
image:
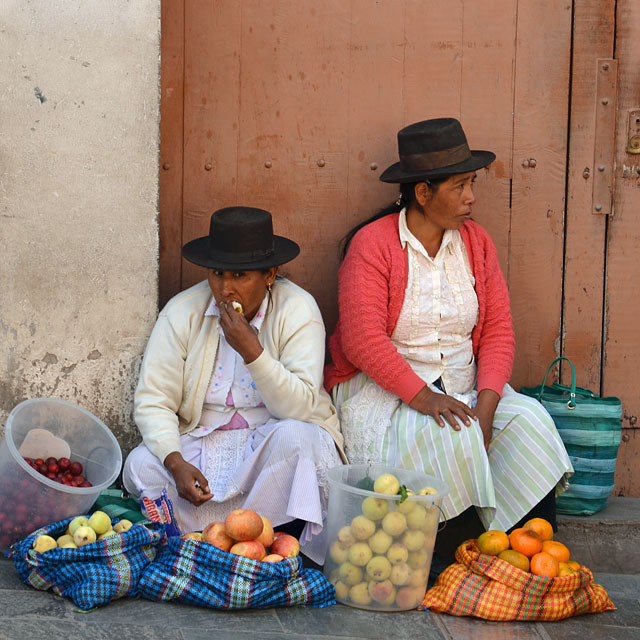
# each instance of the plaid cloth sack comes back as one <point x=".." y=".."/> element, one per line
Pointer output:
<point x="91" y="575"/>
<point x="487" y="587"/>
<point x="198" y="573"/>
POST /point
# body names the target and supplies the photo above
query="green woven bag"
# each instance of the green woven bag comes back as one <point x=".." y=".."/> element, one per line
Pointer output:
<point x="590" y="428"/>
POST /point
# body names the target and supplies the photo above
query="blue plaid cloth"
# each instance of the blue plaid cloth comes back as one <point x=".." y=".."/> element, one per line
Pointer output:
<point x="91" y="575"/>
<point x="198" y="573"/>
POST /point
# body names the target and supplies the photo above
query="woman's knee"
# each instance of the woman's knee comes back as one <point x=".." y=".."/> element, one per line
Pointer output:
<point x="296" y="435"/>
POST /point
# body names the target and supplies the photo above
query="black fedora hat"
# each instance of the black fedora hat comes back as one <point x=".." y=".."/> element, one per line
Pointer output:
<point x="240" y="238"/>
<point x="434" y="148"/>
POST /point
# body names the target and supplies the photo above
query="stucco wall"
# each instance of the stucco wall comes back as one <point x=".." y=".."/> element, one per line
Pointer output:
<point x="79" y="123"/>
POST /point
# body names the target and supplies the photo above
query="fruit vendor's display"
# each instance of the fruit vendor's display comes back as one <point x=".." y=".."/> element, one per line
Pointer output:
<point x="82" y="530"/>
<point x="381" y="558"/>
<point x="530" y="548"/>
<point x="25" y="507"/>
<point x="246" y="533"/>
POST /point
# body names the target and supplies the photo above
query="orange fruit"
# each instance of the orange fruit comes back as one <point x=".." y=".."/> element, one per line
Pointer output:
<point x="493" y="542"/>
<point x="526" y="541"/>
<point x="564" y="569"/>
<point x="515" y="558"/>
<point x="558" y="550"/>
<point x="541" y="526"/>
<point x="574" y="565"/>
<point x="544" y="564"/>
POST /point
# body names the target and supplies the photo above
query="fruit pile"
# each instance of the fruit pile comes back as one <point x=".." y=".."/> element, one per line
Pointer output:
<point x="26" y="506"/>
<point x="246" y="533"/>
<point x="382" y="558"/>
<point x="530" y="548"/>
<point x="81" y="531"/>
<point x="60" y="470"/>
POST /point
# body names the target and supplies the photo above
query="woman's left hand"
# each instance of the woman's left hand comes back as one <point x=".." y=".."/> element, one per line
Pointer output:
<point x="240" y="335"/>
<point x="485" y="410"/>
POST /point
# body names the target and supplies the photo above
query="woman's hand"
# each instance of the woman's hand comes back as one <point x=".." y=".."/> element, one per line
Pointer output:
<point x="439" y="406"/>
<point x="190" y="482"/>
<point x="239" y="333"/>
<point x="485" y="410"/>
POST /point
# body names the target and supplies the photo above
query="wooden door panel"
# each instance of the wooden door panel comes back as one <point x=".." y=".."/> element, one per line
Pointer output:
<point x="622" y="341"/>
<point x="593" y="26"/>
<point x="212" y="98"/>
<point x="543" y="46"/>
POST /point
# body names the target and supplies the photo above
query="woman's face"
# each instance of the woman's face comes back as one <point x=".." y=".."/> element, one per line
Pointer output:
<point x="246" y="287"/>
<point x="449" y="206"/>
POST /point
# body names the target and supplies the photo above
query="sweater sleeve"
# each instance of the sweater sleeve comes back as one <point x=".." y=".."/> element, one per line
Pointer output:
<point x="290" y="384"/>
<point x="495" y="340"/>
<point x="363" y="300"/>
<point x="159" y="391"/>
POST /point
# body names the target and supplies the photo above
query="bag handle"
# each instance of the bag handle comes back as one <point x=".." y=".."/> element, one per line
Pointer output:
<point x="572" y="389"/>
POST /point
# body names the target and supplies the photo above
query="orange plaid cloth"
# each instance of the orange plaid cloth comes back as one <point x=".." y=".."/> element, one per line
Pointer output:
<point x="486" y="587"/>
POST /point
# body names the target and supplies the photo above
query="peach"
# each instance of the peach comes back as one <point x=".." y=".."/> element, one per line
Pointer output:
<point x="383" y="592"/>
<point x="249" y="549"/>
<point x="286" y="545"/>
<point x="193" y="535"/>
<point x="409" y="597"/>
<point x="267" y="535"/>
<point x="243" y="525"/>
<point x="272" y="557"/>
<point x="216" y="534"/>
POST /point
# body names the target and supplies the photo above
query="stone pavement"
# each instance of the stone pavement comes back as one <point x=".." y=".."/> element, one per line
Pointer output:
<point x="608" y="543"/>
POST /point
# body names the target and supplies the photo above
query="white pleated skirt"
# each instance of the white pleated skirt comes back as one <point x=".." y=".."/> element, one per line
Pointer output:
<point x="278" y="470"/>
<point x="525" y="461"/>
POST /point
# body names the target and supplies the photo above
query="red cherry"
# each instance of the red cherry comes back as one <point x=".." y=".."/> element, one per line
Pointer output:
<point x="38" y="462"/>
<point x="51" y="460"/>
<point x="68" y="476"/>
<point x="53" y="468"/>
<point x="79" y="479"/>
<point x="43" y="469"/>
<point x="86" y="483"/>
<point x="64" y="463"/>
<point x="75" y="468"/>
<point x="51" y="476"/>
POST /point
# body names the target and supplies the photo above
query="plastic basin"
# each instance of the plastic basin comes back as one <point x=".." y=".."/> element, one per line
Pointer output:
<point x="380" y="549"/>
<point x="29" y="499"/>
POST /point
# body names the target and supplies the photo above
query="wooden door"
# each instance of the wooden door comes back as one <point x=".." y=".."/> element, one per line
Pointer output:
<point x="294" y="107"/>
<point x="600" y="305"/>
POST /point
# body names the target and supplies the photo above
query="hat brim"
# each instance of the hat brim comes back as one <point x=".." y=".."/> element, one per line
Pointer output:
<point x="478" y="160"/>
<point x="197" y="251"/>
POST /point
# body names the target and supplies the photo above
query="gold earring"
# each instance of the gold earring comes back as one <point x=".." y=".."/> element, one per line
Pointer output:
<point x="269" y="286"/>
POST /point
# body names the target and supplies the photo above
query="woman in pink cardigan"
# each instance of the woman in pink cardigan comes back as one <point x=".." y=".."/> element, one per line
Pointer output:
<point x="424" y="346"/>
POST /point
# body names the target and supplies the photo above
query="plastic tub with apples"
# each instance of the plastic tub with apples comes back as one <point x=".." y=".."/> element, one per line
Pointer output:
<point x="55" y="459"/>
<point x="381" y="529"/>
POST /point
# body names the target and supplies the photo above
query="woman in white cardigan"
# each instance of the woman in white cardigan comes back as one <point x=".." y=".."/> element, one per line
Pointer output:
<point x="230" y="401"/>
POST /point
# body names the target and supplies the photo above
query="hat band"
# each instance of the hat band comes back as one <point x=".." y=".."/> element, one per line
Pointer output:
<point x="242" y="257"/>
<point x="435" y="159"/>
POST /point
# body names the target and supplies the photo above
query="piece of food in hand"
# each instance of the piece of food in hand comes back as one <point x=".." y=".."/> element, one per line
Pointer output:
<point x="236" y="306"/>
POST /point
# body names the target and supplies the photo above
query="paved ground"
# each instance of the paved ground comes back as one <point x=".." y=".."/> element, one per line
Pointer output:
<point x="609" y="543"/>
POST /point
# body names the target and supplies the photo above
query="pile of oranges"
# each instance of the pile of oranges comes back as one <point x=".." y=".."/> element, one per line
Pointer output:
<point x="530" y="548"/>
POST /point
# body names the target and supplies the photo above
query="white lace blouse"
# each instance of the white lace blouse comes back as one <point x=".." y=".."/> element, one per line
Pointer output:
<point x="440" y="309"/>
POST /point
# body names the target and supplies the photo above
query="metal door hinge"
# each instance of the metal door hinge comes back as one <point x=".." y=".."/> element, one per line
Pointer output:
<point x="603" y="155"/>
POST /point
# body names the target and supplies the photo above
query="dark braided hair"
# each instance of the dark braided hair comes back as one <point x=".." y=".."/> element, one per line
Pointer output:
<point x="406" y="199"/>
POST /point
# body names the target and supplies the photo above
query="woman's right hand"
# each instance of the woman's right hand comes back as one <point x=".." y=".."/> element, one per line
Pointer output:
<point x="190" y="482"/>
<point x="440" y="405"/>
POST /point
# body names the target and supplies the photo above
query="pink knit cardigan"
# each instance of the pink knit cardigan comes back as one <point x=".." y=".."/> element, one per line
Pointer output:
<point x="371" y="285"/>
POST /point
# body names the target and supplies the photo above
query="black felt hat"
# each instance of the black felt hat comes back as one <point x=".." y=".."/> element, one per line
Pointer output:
<point x="240" y="238"/>
<point x="433" y="149"/>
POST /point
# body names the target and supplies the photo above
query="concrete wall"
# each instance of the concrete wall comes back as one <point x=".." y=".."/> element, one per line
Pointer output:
<point x="79" y="138"/>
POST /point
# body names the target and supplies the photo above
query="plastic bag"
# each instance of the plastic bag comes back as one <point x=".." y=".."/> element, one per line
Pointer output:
<point x="198" y="573"/>
<point x="91" y="575"/>
<point x="487" y="587"/>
